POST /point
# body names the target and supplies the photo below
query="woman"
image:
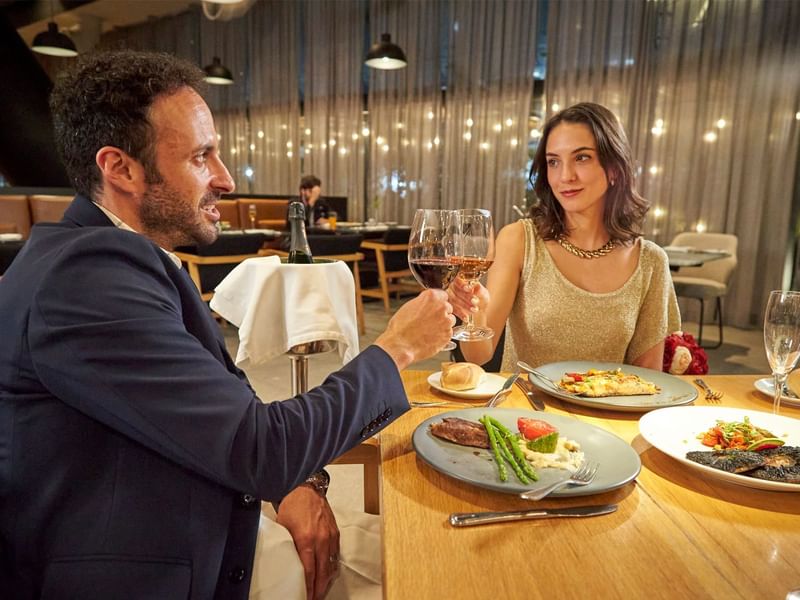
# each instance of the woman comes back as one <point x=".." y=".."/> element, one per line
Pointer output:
<point x="576" y="281"/>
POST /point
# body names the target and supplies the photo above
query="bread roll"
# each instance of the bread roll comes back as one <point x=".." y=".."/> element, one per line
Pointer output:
<point x="461" y="376"/>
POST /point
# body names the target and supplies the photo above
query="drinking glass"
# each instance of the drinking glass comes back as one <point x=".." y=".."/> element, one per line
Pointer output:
<point x="477" y="255"/>
<point x="782" y="338"/>
<point x="433" y="243"/>
<point x="251" y="212"/>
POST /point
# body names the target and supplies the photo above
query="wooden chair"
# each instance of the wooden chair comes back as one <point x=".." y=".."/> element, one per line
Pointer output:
<point x="390" y="263"/>
<point x="208" y="265"/>
<point x="48" y="209"/>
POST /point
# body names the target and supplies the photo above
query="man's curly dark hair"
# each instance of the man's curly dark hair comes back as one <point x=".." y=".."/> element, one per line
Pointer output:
<point x="104" y="100"/>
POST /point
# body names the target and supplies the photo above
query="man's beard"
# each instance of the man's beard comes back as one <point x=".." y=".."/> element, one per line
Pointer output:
<point x="168" y="219"/>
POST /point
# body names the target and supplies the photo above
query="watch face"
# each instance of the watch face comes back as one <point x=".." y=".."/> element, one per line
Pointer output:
<point x="319" y="481"/>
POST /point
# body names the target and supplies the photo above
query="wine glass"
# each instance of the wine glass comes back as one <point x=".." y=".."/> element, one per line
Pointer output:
<point x="251" y="212"/>
<point x="433" y="243"/>
<point x="477" y="255"/>
<point x="782" y="338"/>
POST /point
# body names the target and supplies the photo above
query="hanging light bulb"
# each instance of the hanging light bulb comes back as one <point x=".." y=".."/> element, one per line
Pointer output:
<point x="386" y="55"/>
<point x="217" y="73"/>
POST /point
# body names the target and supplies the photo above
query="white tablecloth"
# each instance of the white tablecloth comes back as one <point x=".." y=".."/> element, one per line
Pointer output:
<point x="277" y="306"/>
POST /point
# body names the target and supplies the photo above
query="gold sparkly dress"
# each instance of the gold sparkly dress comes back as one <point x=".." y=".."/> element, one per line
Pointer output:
<point x="554" y="320"/>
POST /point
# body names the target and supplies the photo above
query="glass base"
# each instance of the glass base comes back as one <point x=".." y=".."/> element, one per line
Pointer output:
<point x="465" y="333"/>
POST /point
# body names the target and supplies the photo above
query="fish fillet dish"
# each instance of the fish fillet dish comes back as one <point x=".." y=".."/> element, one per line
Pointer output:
<point x="742" y="448"/>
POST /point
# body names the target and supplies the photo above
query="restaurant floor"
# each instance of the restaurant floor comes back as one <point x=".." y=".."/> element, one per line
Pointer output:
<point x="742" y="352"/>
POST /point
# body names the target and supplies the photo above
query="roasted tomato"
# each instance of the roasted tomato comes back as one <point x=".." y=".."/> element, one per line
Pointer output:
<point x="533" y="428"/>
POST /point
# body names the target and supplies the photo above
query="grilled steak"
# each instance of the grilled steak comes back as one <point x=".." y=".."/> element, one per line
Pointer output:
<point x="461" y="431"/>
<point x="732" y="461"/>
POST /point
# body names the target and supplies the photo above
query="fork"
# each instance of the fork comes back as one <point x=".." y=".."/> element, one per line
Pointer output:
<point x="583" y="476"/>
<point x="711" y="395"/>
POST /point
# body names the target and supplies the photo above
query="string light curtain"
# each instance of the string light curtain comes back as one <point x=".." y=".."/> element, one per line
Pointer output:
<point x="273" y="114"/>
<point x="405" y="112"/>
<point x="333" y="145"/>
<point x="709" y="94"/>
<point x="257" y="117"/>
<point x="491" y="60"/>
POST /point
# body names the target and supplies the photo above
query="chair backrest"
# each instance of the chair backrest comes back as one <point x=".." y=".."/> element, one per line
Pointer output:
<point x="331" y="245"/>
<point x="229" y="211"/>
<point x="272" y="212"/>
<point x="15" y="215"/>
<point x="48" y="209"/>
<point x="225" y="245"/>
<point x="396" y="260"/>
<point x="719" y="270"/>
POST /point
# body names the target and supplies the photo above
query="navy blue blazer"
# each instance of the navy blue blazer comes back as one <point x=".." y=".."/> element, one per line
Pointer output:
<point x="133" y="453"/>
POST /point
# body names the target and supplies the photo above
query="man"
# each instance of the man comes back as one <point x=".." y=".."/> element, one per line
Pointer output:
<point x="317" y="208"/>
<point x="133" y="453"/>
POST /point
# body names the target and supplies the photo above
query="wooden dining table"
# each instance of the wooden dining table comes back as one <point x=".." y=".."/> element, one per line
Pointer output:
<point x="676" y="534"/>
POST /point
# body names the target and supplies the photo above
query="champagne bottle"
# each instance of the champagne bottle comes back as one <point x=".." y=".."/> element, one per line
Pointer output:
<point x="299" y="250"/>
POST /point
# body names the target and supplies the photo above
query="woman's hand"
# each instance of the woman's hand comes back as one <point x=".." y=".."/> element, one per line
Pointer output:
<point x="467" y="298"/>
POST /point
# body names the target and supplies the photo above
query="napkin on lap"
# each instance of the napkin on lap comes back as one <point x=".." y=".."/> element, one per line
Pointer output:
<point x="277" y="306"/>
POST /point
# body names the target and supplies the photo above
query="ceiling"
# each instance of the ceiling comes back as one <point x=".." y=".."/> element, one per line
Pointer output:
<point x="99" y="15"/>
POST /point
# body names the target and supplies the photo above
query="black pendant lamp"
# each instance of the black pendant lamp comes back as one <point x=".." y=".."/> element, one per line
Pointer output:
<point x="217" y="73"/>
<point x="386" y="55"/>
<point x="53" y="42"/>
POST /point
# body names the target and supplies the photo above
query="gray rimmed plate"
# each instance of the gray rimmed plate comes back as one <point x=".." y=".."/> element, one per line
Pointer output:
<point x="618" y="462"/>
<point x="674" y="391"/>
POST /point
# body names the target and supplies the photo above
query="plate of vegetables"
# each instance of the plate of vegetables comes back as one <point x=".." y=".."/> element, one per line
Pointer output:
<point x="745" y="447"/>
<point x="475" y="463"/>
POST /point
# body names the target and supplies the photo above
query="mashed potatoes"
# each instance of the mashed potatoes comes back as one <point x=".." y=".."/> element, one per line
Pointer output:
<point x="567" y="456"/>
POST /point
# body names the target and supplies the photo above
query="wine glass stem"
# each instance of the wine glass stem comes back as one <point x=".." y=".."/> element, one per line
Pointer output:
<point x="469" y="320"/>
<point x="780" y="380"/>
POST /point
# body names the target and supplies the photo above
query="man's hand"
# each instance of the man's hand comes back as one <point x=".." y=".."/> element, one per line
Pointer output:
<point x="309" y="519"/>
<point x="419" y="329"/>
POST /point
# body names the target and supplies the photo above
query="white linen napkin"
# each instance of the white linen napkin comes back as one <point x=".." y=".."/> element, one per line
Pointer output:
<point x="277" y="306"/>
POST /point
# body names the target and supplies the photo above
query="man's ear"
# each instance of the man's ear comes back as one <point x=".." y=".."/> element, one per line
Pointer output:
<point x="120" y="170"/>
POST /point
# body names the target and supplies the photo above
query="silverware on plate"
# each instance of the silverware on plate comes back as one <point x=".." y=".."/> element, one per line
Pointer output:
<point x="583" y="476"/>
<point x="483" y="518"/>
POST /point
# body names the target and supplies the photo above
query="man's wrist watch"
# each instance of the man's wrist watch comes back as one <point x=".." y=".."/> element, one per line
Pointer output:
<point x="320" y="482"/>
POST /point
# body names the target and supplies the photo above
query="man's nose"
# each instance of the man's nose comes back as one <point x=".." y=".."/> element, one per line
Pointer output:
<point x="222" y="179"/>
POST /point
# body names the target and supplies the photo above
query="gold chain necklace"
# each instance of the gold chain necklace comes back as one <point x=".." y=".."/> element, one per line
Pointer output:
<point x="581" y="253"/>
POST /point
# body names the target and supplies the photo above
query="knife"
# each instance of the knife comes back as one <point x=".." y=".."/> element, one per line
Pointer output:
<point x="482" y="518"/>
<point x="537" y="403"/>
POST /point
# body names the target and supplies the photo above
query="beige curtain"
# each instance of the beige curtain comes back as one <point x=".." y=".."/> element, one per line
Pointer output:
<point x="491" y="60"/>
<point x="333" y="144"/>
<point x="708" y="91"/>
<point x="257" y="117"/>
<point x="405" y="112"/>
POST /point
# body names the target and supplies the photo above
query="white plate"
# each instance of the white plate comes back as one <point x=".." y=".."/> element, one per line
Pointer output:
<point x="618" y="462"/>
<point x="489" y="385"/>
<point x="674" y="391"/>
<point x="767" y="386"/>
<point x="674" y="431"/>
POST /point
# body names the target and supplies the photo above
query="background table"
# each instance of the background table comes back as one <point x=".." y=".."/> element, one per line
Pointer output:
<point x="693" y="258"/>
<point x="676" y="534"/>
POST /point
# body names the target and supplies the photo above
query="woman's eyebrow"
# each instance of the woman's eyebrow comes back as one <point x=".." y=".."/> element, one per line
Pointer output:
<point x="581" y="149"/>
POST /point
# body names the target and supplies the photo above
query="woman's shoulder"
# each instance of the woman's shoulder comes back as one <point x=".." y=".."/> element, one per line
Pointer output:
<point x="653" y="255"/>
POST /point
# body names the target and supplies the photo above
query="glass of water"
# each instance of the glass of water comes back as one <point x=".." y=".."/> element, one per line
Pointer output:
<point x="782" y="338"/>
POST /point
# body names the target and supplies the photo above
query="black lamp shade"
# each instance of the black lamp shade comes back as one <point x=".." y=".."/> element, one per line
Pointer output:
<point x="217" y="73"/>
<point x="386" y="55"/>
<point x="53" y="42"/>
